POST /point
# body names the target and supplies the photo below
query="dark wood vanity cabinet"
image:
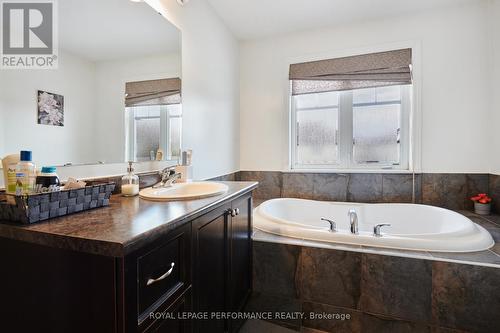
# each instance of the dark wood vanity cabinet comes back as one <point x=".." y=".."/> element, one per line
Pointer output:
<point x="210" y="268"/>
<point x="222" y="264"/>
<point x="201" y="266"/>
<point x="175" y="323"/>
<point x="157" y="278"/>
<point x="240" y="259"/>
<point x="220" y="257"/>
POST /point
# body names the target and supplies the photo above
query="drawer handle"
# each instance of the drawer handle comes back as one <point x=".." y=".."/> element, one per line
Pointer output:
<point x="167" y="273"/>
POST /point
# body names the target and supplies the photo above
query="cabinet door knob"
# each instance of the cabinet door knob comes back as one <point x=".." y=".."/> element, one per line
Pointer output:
<point x="233" y="212"/>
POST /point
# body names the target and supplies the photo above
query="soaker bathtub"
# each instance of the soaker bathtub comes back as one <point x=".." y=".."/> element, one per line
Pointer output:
<point x="412" y="227"/>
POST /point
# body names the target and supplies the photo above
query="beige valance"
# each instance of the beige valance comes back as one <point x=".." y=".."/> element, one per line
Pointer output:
<point x="356" y="72"/>
<point x="153" y="92"/>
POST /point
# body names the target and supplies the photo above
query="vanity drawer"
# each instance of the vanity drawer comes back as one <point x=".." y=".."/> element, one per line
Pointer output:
<point x="164" y="271"/>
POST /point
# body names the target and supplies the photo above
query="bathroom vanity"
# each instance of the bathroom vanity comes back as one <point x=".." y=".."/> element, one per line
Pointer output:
<point x="135" y="266"/>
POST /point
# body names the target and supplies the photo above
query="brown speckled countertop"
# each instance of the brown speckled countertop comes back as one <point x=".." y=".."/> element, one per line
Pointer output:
<point x="124" y="226"/>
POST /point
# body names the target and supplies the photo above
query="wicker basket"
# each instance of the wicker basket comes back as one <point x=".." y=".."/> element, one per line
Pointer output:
<point x="40" y="207"/>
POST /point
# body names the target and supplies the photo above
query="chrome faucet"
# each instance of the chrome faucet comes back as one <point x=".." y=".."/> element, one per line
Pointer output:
<point x="376" y="229"/>
<point x="168" y="177"/>
<point x="333" y="225"/>
<point x="353" y="219"/>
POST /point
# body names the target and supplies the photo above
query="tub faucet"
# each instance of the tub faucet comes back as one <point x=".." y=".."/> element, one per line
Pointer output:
<point x="353" y="219"/>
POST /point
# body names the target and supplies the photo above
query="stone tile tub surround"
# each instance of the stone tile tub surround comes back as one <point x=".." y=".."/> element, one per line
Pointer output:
<point x="440" y="189"/>
<point x="380" y="293"/>
<point x="495" y="191"/>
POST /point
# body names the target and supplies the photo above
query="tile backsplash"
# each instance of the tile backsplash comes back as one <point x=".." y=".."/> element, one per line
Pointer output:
<point x="439" y="189"/>
<point x="448" y="190"/>
<point x="495" y="191"/>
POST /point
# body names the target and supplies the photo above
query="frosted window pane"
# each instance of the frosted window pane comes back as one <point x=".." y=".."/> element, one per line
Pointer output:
<point x="147" y="111"/>
<point x="147" y="137"/>
<point x="385" y="94"/>
<point x="175" y="136"/>
<point x="364" y="96"/>
<point x="328" y="99"/>
<point x="377" y="95"/>
<point x="175" y="110"/>
<point x="376" y="133"/>
<point x="316" y="136"/>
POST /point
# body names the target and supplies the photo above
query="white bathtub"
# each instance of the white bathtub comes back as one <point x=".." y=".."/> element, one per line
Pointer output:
<point x="413" y="227"/>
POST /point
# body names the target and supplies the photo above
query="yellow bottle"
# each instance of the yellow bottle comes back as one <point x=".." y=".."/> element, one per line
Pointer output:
<point x="9" y="164"/>
<point x="25" y="174"/>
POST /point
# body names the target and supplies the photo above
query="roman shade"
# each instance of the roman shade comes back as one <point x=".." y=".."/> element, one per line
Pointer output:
<point x="356" y="72"/>
<point x="153" y="92"/>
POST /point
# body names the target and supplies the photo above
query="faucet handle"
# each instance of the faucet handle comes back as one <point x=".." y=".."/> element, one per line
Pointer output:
<point x="376" y="229"/>
<point x="333" y="225"/>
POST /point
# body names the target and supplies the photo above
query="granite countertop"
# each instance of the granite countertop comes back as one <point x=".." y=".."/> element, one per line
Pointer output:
<point x="122" y="227"/>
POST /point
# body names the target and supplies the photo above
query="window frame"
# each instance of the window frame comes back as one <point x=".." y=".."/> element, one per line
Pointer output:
<point x="345" y="144"/>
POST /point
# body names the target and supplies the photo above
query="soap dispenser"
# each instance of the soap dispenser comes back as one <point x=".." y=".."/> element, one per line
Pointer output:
<point x="130" y="182"/>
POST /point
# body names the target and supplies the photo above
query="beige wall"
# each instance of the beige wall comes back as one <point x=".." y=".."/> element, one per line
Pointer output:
<point x="210" y="86"/>
<point x="494" y="145"/>
<point x="18" y="92"/>
<point x="455" y="99"/>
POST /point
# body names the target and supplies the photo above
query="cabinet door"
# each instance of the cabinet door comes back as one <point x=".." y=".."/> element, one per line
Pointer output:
<point x="210" y="255"/>
<point x="240" y="248"/>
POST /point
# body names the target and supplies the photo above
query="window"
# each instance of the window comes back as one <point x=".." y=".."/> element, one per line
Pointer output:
<point x="352" y="112"/>
<point x="153" y="127"/>
<point x="354" y="129"/>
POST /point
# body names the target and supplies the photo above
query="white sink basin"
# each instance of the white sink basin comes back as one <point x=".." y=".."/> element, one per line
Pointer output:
<point x="183" y="191"/>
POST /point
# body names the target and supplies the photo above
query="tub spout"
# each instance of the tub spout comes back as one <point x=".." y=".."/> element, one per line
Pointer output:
<point x="353" y="219"/>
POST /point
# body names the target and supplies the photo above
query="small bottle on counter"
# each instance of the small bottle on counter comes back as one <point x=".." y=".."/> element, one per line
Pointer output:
<point x="47" y="181"/>
<point x="25" y="174"/>
<point x="130" y="182"/>
<point x="9" y="164"/>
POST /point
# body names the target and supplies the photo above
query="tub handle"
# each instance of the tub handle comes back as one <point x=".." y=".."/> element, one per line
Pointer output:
<point x="333" y="225"/>
<point x="376" y="229"/>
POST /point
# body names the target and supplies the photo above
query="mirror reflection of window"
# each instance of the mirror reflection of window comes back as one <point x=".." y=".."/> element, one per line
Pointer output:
<point x="153" y="116"/>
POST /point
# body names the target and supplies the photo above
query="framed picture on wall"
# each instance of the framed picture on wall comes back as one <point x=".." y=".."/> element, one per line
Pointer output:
<point x="50" y="108"/>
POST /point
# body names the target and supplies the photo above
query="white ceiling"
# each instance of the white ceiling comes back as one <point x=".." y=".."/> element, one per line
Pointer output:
<point x="114" y="29"/>
<point x="251" y="19"/>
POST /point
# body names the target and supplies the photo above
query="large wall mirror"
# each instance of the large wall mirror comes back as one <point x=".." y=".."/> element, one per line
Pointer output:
<point x="115" y="96"/>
